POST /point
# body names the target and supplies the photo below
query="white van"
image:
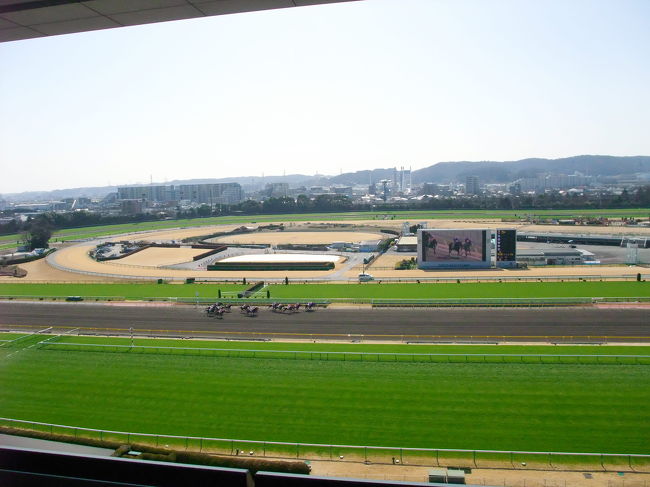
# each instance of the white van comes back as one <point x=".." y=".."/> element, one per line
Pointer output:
<point x="365" y="278"/>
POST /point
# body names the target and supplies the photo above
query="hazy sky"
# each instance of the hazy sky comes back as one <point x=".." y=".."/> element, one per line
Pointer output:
<point x="348" y="86"/>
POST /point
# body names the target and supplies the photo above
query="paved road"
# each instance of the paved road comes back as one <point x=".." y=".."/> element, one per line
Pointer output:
<point x="379" y="324"/>
<point x="24" y="442"/>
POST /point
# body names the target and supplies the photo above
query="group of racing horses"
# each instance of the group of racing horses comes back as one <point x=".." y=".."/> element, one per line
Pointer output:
<point x="291" y="308"/>
<point x="219" y="309"/>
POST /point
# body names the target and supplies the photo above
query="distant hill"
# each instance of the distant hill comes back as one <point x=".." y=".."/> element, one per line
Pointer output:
<point x="442" y="172"/>
<point x="501" y="172"/>
<point x="57" y="194"/>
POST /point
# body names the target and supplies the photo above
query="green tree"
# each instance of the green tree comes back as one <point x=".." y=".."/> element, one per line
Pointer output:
<point x="38" y="233"/>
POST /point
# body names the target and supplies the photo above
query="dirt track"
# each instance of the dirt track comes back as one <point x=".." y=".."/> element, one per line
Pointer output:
<point x="159" y="256"/>
<point x="75" y="257"/>
<point x="583" y="324"/>
<point x="288" y="237"/>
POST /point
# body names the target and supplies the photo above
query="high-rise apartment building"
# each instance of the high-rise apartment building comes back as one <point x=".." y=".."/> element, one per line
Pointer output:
<point x="472" y="185"/>
<point x="209" y="194"/>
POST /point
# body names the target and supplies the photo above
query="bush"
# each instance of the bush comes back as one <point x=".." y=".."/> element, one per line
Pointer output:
<point x="165" y="455"/>
<point x="406" y="264"/>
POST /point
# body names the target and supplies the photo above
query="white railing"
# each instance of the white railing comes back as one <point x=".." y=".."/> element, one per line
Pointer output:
<point x="336" y="355"/>
<point x="350" y="453"/>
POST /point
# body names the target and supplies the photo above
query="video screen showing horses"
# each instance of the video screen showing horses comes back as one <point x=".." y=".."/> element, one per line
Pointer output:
<point x="451" y="248"/>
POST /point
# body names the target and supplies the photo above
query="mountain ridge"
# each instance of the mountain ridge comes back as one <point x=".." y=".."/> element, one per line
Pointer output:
<point x="440" y="172"/>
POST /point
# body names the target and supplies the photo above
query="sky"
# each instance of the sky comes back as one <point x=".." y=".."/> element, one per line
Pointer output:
<point x="325" y="89"/>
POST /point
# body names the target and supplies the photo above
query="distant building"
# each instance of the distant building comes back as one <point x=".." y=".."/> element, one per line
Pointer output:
<point x="211" y="193"/>
<point x="369" y="245"/>
<point x="407" y="244"/>
<point x="316" y="190"/>
<point x="401" y="182"/>
<point x="151" y="194"/>
<point x="276" y="190"/>
<point x="131" y="207"/>
<point x="554" y="256"/>
<point x="472" y="185"/>
<point x="430" y="189"/>
<point x="208" y="193"/>
<point x="345" y="190"/>
<point x="552" y="182"/>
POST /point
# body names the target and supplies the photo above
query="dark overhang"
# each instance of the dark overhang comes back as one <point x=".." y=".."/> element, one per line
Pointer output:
<point x="26" y="19"/>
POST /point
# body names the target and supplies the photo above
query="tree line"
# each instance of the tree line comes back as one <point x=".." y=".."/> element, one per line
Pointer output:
<point x="638" y="198"/>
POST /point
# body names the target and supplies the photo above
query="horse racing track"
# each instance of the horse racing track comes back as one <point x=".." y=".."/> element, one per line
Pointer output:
<point x="540" y="398"/>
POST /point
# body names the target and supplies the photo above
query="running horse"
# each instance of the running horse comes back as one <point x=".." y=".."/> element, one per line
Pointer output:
<point x="467" y="247"/>
<point x="455" y="246"/>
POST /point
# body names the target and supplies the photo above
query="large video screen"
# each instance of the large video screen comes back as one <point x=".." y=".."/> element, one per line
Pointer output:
<point x="506" y="243"/>
<point x="453" y="248"/>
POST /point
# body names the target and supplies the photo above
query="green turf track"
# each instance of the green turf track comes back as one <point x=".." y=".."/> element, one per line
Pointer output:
<point x="585" y="408"/>
<point x="10" y="336"/>
<point x="128" y="290"/>
<point x="464" y="290"/>
<point x="8" y="241"/>
<point x="333" y="291"/>
<point x="414" y="355"/>
<point x="367" y="347"/>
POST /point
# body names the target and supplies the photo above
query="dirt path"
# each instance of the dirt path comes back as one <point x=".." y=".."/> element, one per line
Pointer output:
<point x="488" y="477"/>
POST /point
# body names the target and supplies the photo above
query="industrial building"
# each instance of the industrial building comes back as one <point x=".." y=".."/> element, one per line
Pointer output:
<point x="556" y="257"/>
<point x="369" y="245"/>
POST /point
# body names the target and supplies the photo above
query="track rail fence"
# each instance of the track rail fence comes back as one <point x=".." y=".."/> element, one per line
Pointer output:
<point x="451" y="302"/>
<point x="351" y="453"/>
<point x="265" y="336"/>
<point x="345" y="356"/>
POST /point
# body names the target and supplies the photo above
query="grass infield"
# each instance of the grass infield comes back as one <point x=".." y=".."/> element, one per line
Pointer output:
<point x="511" y="406"/>
<point x="464" y="290"/>
<point x="127" y="290"/>
<point x="354" y="291"/>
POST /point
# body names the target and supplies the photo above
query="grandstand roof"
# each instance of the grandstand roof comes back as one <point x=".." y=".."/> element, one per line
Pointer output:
<point x="26" y="19"/>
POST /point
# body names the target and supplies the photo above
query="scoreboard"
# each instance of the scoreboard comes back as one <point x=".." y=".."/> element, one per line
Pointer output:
<point x="506" y="243"/>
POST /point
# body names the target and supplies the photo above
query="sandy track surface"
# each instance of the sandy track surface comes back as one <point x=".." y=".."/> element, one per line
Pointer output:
<point x="522" y="227"/>
<point x="498" y="223"/>
<point x="159" y="256"/>
<point x="583" y="230"/>
<point x="41" y="271"/>
<point x="181" y="233"/>
<point x="176" y="233"/>
<point x="483" y="476"/>
<point x="316" y="237"/>
<point x="77" y="258"/>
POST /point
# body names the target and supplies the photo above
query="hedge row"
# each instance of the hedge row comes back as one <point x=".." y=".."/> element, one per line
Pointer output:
<point x="166" y="455"/>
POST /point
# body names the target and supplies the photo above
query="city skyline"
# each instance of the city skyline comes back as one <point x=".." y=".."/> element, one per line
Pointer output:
<point x="321" y="89"/>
